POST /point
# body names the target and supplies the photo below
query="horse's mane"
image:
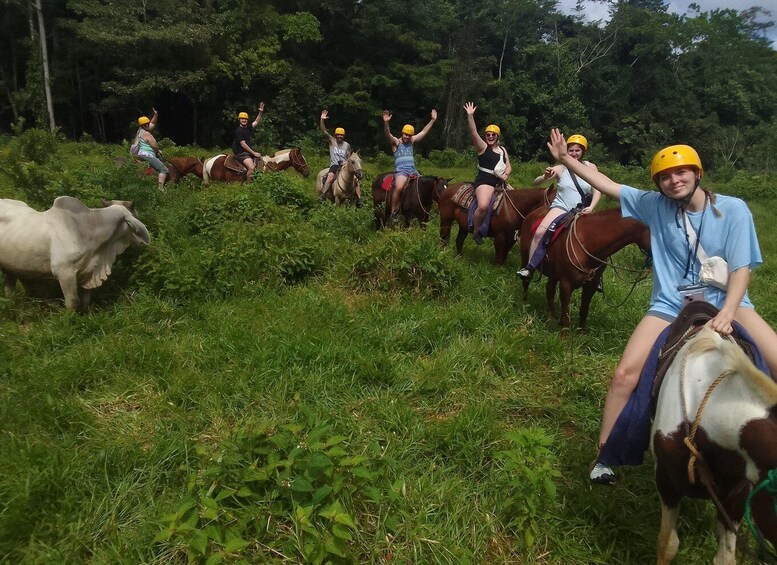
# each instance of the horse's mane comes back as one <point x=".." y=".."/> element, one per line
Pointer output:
<point x="737" y="361"/>
<point x="282" y="152"/>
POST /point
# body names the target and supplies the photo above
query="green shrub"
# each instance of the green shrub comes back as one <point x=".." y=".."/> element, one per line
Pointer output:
<point x="448" y="158"/>
<point x="403" y="261"/>
<point x="295" y="490"/>
<point x="529" y="471"/>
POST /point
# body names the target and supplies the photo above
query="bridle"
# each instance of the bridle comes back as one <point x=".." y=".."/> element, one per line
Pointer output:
<point x="298" y="160"/>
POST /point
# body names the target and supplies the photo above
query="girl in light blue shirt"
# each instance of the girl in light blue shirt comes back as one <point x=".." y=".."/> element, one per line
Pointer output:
<point x="724" y="227"/>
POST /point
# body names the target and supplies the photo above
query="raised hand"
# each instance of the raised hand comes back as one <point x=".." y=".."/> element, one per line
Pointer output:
<point x="386" y="116"/>
<point x="324" y="114"/>
<point x="557" y="144"/>
<point x="470" y="108"/>
<point x="434" y="114"/>
<point x="261" y="107"/>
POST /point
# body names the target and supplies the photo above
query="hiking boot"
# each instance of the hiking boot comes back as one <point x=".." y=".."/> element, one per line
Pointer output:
<point x="394" y="219"/>
<point x="478" y="239"/>
<point x="601" y="474"/>
<point x="359" y="203"/>
<point x="600" y="286"/>
<point x="524" y="273"/>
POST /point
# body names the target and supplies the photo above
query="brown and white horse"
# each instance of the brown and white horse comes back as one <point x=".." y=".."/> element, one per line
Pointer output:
<point x="344" y="184"/>
<point x="714" y="401"/>
<point x="214" y="169"/>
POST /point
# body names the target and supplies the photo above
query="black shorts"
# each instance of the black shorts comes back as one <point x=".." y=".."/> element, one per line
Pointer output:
<point x="334" y="168"/>
<point x="486" y="178"/>
<point x="243" y="155"/>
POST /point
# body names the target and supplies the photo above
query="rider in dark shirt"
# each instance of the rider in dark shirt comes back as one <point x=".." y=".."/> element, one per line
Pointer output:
<point x="241" y="145"/>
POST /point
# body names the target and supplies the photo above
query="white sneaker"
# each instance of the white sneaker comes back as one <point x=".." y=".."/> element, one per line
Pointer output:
<point x="524" y="273"/>
<point x="602" y="474"/>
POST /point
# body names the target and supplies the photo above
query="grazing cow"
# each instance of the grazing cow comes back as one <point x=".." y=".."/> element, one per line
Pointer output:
<point x="69" y="242"/>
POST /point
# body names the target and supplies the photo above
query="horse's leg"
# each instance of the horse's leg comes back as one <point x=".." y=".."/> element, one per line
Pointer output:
<point x="727" y="545"/>
<point x="445" y="228"/>
<point x="550" y="298"/>
<point x="500" y="251"/>
<point x="565" y="296"/>
<point x="460" y="237"/>
<point x="668" y="542"/>
<point x="589" y="289"/>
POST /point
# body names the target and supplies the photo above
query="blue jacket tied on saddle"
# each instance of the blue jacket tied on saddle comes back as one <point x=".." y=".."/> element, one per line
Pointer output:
<point x="630" y="437"/>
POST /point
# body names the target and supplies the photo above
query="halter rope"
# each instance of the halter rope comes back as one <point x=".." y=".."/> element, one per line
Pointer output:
<point x="770" y="484"/>
<point x="696" y="457"/>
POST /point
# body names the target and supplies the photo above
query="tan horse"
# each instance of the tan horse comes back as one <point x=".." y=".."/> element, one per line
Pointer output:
<point x="345" y="181"/>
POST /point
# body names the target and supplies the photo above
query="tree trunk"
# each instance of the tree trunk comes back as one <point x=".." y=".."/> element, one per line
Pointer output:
<point x="45" y="57"/>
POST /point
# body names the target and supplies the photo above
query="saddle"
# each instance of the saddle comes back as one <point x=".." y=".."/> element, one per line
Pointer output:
<point x="234" y="165"/>
<point x="688" y="323"/>
<point x="466" y="194"/>
<point x="557" y="226"/>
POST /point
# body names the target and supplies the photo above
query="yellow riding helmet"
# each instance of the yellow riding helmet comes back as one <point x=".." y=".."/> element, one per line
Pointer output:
<point x="408" y="129"/>
<point x="579" y="139"/>
<point x="143" y="120"/>
<point x="493" y="128"/>
<point x="242" y="115"/>
<point x="339" y="131"/>
<point x="675" y="156"/>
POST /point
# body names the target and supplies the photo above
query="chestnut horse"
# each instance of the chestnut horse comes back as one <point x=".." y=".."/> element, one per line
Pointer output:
<point x="715" y="402"/>
<point x="214" y="169"/>
<point x="344" y="184"/>
<point x="418" y="197"/>
<point x="179" y="167"/>
<point x="578" y="256"/>
<point x="505" y="223"/>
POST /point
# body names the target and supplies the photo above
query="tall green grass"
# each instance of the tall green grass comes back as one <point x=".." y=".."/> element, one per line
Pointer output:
<point x="260" y="326"/>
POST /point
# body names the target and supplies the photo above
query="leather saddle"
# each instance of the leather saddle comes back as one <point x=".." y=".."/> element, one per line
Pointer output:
<point x="466" y="194"/>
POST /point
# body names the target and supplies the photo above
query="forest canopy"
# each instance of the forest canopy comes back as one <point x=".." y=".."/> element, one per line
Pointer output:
<point x="643" y="79"/>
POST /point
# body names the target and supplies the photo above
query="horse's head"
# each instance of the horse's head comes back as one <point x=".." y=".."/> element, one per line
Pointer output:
<point x="355" y="164"/>
<point x="299" y="162"/>
<point x="440" y="184"/>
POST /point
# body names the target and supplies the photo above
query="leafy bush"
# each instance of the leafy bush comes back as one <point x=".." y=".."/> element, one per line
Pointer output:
<point x="294" y="490"/>
<point x="284" y="191"/>
<point x="529" y="469"/>
<point x="403" y="261"/>
<point x="448" y="158"/>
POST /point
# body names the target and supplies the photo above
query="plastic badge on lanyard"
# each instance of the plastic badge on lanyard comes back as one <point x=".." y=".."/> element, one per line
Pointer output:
<point x="693" y="293"/>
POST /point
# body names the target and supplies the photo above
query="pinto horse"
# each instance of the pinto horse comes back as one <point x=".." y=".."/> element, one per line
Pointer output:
<point x="505" y="223"/>
<point x="214" y="169"/>
<point x="344" y="184"/>
<point x="714" y="401"/>
<point x="419" y="195"/>
<point x="578" y="256"/>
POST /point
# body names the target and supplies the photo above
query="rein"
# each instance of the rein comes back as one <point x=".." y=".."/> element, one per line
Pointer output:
<point x="342" y="172"/>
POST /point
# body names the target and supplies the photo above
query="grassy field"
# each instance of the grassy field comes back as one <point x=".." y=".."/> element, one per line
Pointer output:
<point x="271" y="381"/>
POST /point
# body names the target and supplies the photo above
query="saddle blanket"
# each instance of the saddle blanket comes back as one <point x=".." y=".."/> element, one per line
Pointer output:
<point x="388" y="180"/>
<point x="630" y="437"/>
<point x="466" y="194"/>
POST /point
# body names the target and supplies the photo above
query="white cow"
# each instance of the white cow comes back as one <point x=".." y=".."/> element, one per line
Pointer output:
<point x="69" y="242"/>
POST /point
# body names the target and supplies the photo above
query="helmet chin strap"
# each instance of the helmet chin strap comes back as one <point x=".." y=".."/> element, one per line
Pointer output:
<point x="685" y="199"/>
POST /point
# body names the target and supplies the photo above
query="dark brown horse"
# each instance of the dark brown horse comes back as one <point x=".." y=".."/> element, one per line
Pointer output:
<point x="505" y="223"/>
<point x="419" y="195"/>
<point x="578" y="256"/>
<point x="214" y="169"/>
<point x="179" y="167"/>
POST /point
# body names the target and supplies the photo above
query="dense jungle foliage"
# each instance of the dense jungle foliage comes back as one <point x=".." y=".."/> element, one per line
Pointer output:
<point x="647" y="78"/>
<point x="272" y="381"/>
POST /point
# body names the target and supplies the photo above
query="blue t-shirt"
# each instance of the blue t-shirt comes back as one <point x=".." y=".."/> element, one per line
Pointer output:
<point x="730" y="236"/>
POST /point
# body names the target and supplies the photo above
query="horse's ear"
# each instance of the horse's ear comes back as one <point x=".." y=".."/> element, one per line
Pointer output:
<point x="105" y="202"/>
